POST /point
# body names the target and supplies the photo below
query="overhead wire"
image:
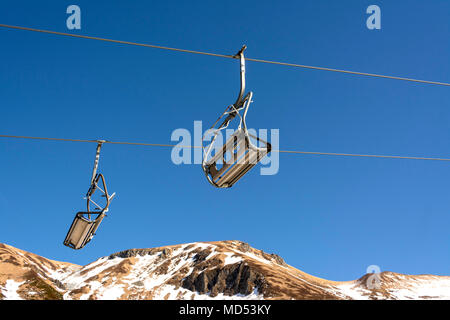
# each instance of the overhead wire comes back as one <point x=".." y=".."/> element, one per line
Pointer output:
<point x="193" y="147"/>
<point x="230" y="57"/>
<point x="227" y="56"/>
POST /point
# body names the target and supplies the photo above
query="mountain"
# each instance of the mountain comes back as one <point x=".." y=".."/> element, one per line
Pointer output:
<point x="202" y="270"/>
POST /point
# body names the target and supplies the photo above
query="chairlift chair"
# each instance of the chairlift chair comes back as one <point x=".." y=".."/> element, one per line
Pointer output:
<point x="86" y="223"/>
<point x="238" y="155"/>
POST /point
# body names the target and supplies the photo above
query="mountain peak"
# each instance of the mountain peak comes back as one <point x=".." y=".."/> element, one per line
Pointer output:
<point x="233" y="245"/>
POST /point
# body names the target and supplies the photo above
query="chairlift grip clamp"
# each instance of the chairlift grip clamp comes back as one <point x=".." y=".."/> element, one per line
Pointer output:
<point x="238" y="54"/>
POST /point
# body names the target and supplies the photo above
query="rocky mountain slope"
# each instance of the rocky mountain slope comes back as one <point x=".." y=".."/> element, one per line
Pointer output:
<point x="203" y="270"/>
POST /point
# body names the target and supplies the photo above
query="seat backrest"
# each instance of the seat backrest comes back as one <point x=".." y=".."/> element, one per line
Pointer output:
<point x="242" y="156"/>
<point x="82" y="230"/>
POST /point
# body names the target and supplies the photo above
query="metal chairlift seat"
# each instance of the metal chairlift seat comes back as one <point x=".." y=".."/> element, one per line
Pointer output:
<point x="238" y="155"/>
<point x="82" y="230"/>
<point x="86" y="223"/>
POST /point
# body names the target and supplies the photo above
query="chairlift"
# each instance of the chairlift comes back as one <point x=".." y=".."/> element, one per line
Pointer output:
<point x="86" y="223"/>
<point x="238" y="155"/>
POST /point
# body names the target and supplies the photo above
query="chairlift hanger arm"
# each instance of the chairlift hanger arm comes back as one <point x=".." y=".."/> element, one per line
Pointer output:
<point x="240" y="55"/>
<point x="94" y="186"/>
<point x="97" y="159"/>
<point x="95" y="183"/>
<point x="233" y="109"/>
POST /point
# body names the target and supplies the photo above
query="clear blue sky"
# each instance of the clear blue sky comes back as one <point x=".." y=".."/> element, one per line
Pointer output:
<point x="329" y="216"/>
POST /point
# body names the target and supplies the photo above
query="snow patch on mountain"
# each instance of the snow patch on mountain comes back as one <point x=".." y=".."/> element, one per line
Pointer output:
<point x="9" y="291"/>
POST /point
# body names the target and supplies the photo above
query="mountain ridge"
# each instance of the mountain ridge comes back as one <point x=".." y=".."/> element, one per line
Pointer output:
<point x="228" y="269"/>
